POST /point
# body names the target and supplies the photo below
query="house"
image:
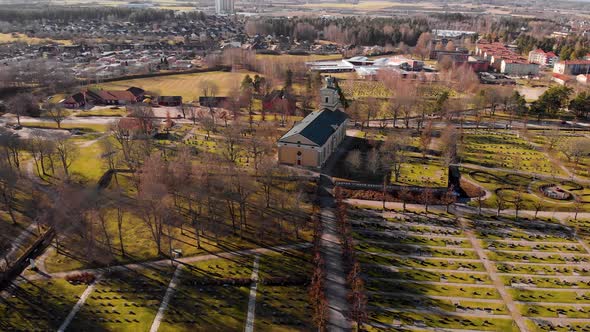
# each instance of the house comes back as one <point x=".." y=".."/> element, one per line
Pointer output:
<point x="542" y="58"/>
<point x="139" y="93"/>
<point x="572" y="67"/>
<point x="111" y="97"/>
<point x="561" y="78"/>
<point x="583" y="78"/>
<point x="77" y="100"/>
<point x="212" y="101"/>
<point x="313" y="140"/>
<point x="277" y="99"/>
<point x="170" y="100"/>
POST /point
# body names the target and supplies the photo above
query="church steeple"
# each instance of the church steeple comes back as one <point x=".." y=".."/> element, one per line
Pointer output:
<point x="330" y="98"/>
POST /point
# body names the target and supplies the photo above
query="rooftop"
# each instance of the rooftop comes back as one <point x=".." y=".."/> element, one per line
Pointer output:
<point x="318" y="126"/>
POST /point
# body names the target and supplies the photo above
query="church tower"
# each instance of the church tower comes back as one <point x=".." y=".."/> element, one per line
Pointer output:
<point x="330" y="98"/>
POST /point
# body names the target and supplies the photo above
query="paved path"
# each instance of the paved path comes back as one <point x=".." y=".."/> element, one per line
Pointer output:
<point x="78" y="305"/>
<point x="336" y="292"/>
<point x="496" y="280"/>
<point x="166" y="300"/>
<point x="186" y="260"/>
<point x="25" y="235"/>
<point x="252" y="298"/>
<point x="468" y="209"/>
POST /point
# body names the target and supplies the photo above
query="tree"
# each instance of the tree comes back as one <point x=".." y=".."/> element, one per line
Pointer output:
<point x="20" y="105"/>
<point x="580" y="105"/>
<point x="405" y="195"/>
<point x="551" y="101"/>
<point x="553" y="137"/>
<point x="66" y="152"/>
<point x="56" y="113"/>
<point x="358" y="298"/>
<point x="153" y="200"/>
<point x="427" y="197"/>
<point x="538" y="205"/>
<point x="449" y="198"/>
<point x="518" y="201"/>
<point x="8" y="186"/>
<point x="500" y="204"/>
<point x="11" y="145"/>
<point x="574" y="149"/>
<point x="423" y="45"/>
<point x="288" y="79"/>
<point x="426" y="139"/>
<point x="394" y="153"/>
<point x="353" y="160"/>
<point x="209" y="89"/>
<point x="232" y="137"/>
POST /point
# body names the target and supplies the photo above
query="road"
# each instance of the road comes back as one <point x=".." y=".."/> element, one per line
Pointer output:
<point x="336" y="291"/>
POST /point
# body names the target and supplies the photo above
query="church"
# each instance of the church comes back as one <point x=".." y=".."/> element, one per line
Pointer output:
<point x="313" y="140"/>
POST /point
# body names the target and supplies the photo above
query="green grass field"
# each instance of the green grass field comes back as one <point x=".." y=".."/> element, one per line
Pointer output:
<point x="186" y="85"/>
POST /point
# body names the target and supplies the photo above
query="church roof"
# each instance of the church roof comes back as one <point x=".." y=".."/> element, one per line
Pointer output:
<point x="318" y="126"/>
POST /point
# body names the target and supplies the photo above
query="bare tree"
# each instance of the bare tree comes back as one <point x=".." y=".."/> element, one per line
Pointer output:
<point x="232" y="142"/>
<point x="8" y="186"/>
<point x="394" y="152"/>
<point x="209" y="90"/>
<point x="56" y="113"/>
<point x="66" y="151"/>
<point x="427" y="197"/>
<point x="11" y="145"/>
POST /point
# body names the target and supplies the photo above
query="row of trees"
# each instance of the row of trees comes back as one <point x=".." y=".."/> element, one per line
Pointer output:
<point x="357" y="296"/>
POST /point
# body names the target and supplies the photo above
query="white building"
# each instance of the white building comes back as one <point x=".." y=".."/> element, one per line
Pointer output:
<point x="224" y="6"/>
<point x="542" y="58"/>
<point x="518" y="67"/>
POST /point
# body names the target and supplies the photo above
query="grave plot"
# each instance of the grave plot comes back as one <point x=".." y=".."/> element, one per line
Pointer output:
<point x="124" y="300"/>
<point x="282" y="302"/>
<point x="544" y="268"/>
<point x="505" y="150"/>
<point x="38" y="305"/>
<point x="421" y="272"/>
<point x="210" y="295"/>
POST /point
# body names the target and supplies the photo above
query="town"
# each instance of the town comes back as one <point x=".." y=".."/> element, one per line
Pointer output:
<point x="222" y="165"/>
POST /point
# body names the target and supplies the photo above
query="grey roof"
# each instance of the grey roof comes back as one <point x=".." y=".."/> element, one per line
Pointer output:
<point x="318" y="126"/>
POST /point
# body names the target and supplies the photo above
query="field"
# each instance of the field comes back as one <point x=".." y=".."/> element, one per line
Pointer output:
<point x="186" y="85"/>
<point x="209" y="294"/>
<point x="363" y="5"/>
<point x="10" y="38"/>
<point x="425" y="271"/>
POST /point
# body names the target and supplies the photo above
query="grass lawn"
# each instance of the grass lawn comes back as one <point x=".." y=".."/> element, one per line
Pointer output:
<point x="505" y="151"/>
<point x="186" y="85"/>
<point x="38" y="305"/>
<point x="88" y="163"/>
<point x="211" y="295"/>
<point x="283" y="308"/>
<point x="84" y="127"/>
<point x="416" y="172"/>
<point x="101" y="112"/>
<point x="124" y="301"/>
<point x="562" y="296"/>
<point x="443" y="321"/>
